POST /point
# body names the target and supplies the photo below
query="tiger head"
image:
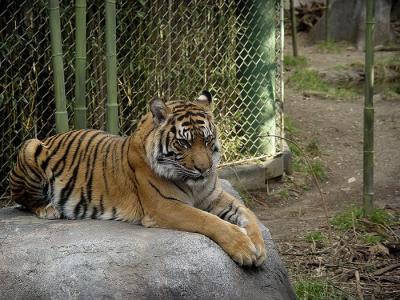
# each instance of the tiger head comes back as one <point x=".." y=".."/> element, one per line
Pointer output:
<point x="185" y="145"/>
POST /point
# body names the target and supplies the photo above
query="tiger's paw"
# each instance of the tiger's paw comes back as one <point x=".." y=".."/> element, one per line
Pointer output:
<point x="255" y="236"/>
<point x="240" y="247"/>
<point x="48" y="212"/>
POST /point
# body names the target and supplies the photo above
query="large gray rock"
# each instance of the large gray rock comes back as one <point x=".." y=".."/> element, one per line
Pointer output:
<point x="90" y="259"/>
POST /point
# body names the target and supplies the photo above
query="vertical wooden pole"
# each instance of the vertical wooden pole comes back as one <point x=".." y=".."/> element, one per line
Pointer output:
<point x="282" y="83"/>
<point x="327" y="20"/>
<point x="111" y="63"/>
<point x="294" y="27"/>
<point x="80" y="64"/>
<point x="369" y="109"/>
<point x="58" y="69"/>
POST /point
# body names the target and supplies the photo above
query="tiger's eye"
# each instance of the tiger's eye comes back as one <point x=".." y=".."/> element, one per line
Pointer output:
<point x="208" y="139"/>
<point x="184" y="143"/>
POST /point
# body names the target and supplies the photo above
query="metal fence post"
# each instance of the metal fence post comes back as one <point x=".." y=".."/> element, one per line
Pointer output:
<point x="58" y="69"/>
<point x="368" y="172"/>
<point x="111" y="55"/>
<point x="80" y="64"/>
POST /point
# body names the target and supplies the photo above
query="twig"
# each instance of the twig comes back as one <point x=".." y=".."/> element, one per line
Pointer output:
<point x="386" y="269"/>
<point x="359" y="290"/>
<point x="304" y="156"/>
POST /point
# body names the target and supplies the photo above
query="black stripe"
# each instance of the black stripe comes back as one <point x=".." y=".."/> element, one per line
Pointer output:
<point x="94" y="213"/>
<point x="223" y="213"/>
<point x="28" y="178"/>
<point x="180" y="188"/>
<point x="105" y="163"/>
<point x="235" y="212"/>
<point x="61" y="161"/>
<point x="90" y="142"/>
<point x="191" y="113"/>
<point x="78" y="148"/>
<point x="38" y="151"/>
<point x="68" y="188"/>
<point x="162" y="195"/>
<point x="78" y="206"/>
<point x="101" y="205"/>
<point x="122" y="148"/>
<point x="45" y="163"/>
<point x="114" y="213"/>
<point x="89" y="185"/>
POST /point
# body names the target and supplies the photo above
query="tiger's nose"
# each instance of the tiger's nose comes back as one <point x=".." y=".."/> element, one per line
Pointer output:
<point x="201" y="169"/>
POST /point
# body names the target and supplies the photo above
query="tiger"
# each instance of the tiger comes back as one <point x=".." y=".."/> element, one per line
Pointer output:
<point x="162" y="175"/>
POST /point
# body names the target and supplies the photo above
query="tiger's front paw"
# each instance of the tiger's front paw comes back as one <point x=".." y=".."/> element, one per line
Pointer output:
<point x="239" y="246"/>
<point x="254" y="233"/>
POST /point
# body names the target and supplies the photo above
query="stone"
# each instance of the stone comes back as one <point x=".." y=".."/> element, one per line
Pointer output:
<point x="92" y="259"/>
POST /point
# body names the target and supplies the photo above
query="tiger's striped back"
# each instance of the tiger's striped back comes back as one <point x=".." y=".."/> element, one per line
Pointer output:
<point x="78" y="172"/>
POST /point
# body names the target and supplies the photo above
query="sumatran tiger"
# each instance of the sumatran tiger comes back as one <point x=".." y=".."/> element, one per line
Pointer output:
<point x="163" y="175"/>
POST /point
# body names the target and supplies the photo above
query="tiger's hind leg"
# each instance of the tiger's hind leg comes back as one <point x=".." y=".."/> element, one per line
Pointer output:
<point x="28" y="183"/>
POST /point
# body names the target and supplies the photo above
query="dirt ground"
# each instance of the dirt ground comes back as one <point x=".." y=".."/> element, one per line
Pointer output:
<point x="337" y="125"/>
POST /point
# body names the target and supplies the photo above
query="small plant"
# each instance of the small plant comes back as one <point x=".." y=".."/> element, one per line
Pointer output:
<point x="381" y="216"/>
<point x="310" y="80"/>
<point x="315" y="236"/>
<point x="316" y="290"/>
<point x="353" y="219"/>
<point x="347" y="219"/>
<point x="247" y="198"/>
<point x="295" y="61"/>
<point x="318" y="170"/>
<point x="284" y="193"/>
<point x="307" y="79"/>
<point x="372" y="239"/>
<point x="290" y="126"/>
<point x="312" y="147"/>
<point x="329" y="47"/>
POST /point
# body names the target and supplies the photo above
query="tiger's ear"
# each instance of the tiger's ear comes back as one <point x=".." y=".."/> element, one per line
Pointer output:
<point x="205" y="99"/>
<point x="159" y="111"/>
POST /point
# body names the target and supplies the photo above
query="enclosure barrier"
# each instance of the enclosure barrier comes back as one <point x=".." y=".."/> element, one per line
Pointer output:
<point x="80" y="64"/>
<point x="61" y="114"/>
<point x="170" y="49"/>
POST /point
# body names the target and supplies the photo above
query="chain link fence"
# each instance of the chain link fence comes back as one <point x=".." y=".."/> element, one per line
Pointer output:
<point x="172" y="49"/>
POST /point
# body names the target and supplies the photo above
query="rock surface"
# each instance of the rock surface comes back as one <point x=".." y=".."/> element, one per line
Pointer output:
<point x="90" y="259"/>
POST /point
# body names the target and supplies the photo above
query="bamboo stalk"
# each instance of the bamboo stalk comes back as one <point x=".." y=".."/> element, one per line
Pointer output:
<point x="111" y="64"/>
<point x="368" y="172"/>
<point x="294" y="26"/>
<point x="282" y="82"/>
<point x="80" y="65"/>
<point x="58" y="69"/>
<point x="327" y="20"/>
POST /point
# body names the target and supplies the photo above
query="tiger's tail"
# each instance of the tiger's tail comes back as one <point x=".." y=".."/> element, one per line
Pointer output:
<point x="28" y="183"/>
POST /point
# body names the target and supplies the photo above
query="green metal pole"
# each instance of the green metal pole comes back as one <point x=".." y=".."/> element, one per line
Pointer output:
<point x="369" y="109"/>
<point x="327" y="20"/>
<point x="111" y="63"/>
<point x="294" y="26"/>
<point x="256" y="73"/>
<point x="80" y="64"/>
<point x="58" y="69"/>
